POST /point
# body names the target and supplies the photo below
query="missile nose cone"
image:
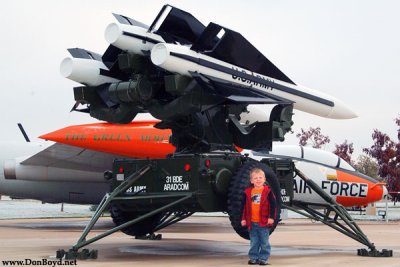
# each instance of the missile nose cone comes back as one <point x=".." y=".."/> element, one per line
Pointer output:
<point x="53" y="136"/>
<point x="342" y="111"/>
<point x="58" y="135"/>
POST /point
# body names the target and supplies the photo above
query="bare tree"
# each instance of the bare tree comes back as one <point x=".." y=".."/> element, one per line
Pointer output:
<point x="344" y="151"/>
<point x="314" y="136"/>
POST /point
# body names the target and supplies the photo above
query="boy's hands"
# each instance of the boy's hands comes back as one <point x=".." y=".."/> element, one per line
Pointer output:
<point x="270" y="222"/>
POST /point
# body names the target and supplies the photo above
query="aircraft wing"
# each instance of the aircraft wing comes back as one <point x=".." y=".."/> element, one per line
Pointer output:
<point x="69" y="157"/>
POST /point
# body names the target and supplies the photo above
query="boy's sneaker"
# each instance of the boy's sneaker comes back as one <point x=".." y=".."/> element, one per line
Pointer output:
<point x="252" y="262"/>
<point x="263" y="262"/>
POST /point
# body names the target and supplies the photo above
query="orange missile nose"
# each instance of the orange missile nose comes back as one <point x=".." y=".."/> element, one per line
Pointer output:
<point x="378" y="192"/>
<point x="362" y="190"/>
<point x="382" y="190"/>
<point x="56" y="136"/>
<point x="136" y="139"/>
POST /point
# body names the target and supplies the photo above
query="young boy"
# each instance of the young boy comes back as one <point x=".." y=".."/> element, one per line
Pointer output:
<point x="258" y="216"/>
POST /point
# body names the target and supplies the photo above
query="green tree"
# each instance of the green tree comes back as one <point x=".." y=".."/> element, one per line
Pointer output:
<point x="367" y="166"/>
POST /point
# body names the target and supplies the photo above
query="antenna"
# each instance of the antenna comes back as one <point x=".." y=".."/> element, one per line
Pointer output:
<point x="23" y="132"/>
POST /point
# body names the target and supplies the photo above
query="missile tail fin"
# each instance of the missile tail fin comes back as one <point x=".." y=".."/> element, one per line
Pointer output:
<point x="176" y="25"/>
<point x="126" y="20"/>
<point x="216" y="40"/>
<point x="83" y="53"/>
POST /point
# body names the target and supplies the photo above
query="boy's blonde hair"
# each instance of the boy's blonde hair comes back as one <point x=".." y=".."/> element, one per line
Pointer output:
<point x="257" y="170"/>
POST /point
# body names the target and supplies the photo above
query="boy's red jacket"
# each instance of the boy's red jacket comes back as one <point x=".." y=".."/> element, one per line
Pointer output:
<point x="267" y="207"/>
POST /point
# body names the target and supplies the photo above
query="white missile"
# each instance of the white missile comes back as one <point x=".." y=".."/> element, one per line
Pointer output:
<point x="85" y="71"/>
<point x="180" y="59"/>
<point x="131" y="38"/>
<point x="308" y="154"/>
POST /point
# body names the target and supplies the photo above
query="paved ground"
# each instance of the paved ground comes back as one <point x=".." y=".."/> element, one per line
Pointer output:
<point x="198" y="241"/>
<point x="25" y="208"/>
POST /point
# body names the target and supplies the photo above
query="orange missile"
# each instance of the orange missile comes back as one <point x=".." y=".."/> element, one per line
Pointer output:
<point x="137" y="139"/>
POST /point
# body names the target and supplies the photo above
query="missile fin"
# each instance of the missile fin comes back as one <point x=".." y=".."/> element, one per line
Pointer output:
<point x="83" y="110"/>
<point x="126" y="20"/>
<point x="216" y="40"/>
<point x="23" y="132"/>
<point x="177" y="26"/>
<point x="83" y="53"/>
<point x="110" y="58"/>
<point x="110" y="55"/>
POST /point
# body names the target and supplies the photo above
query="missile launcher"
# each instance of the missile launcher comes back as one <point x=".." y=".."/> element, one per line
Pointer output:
<point x="199" y="81"/>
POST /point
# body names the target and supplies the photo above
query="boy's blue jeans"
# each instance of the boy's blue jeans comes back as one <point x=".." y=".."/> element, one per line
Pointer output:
<point x="260" y="249"/>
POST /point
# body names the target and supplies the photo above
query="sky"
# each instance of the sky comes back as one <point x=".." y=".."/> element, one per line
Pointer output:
<point x="347" y="49"/>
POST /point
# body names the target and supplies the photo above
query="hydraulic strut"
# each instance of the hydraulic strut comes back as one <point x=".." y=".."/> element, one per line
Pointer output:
<point x="333" y="213"/>
<point x="74" y="253"/>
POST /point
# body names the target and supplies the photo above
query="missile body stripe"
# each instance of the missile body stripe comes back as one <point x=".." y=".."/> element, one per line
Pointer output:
<point x="140" y="37"/>
<point x="258" y="80"/>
